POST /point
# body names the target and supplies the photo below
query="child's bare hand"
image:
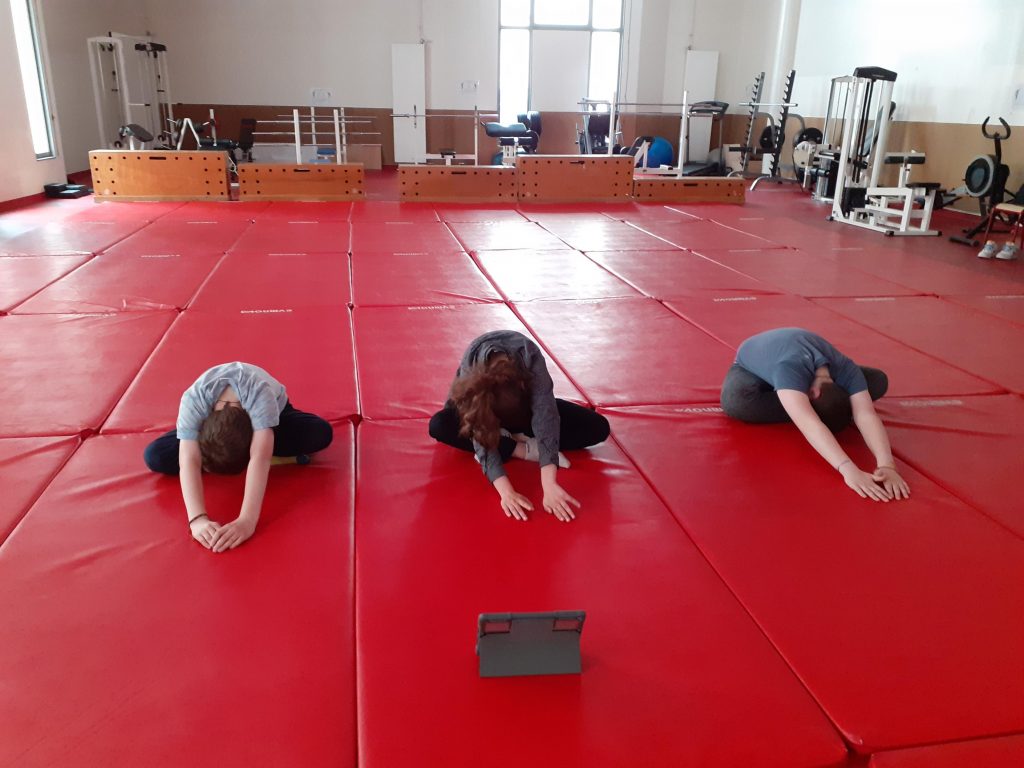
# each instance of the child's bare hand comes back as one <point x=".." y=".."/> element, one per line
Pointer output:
<point x="234" y="533"/>
<point x="204" y="530"/>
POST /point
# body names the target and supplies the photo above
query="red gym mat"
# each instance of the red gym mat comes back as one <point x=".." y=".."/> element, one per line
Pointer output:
<point x="69" y="238"/>
<point x="394" y="279"/>
<point x="674" y="671"/>
<point x="604" y="235"/>
<point x="403" y="237"/>
<point x="388" y="211"/>
<point x="910" y="371"/>
<point x="806" y="274"/>
<point x="668" y="274"/>
<point x="219" y="212"/>
<point x="990" y="753"/>
<point x="971" y="446"/>
<point x="506" y="235"/>
<point x="630" y="351"/>
<point x="184" y="238"/>
<point x="697" y="235"/>
<point x="533" y="275"/>
<point x="304" y="211"/>
<point x="119" y="283"/>
<point x="24" y="276"/>
<point x="540" y="211"/>
<point x="129" y="644"/>
<point x="27" y="464"/>
<point x="966" y="338"/>
<point x="639" y="213"/>
<point x="819" y="240"/>
<point x="294" y="237"/>
<point x="119" y="211"/>
<point x="408" y="356"/>
<point x="63" y="373"/>
<point x="930" y="275"/>
<point x="250" y="281"/>
<point x="1009" y="306"/>
<point x="477" y="212"/>
<point x="309" y="350"/>
<point x="903" y="619"/>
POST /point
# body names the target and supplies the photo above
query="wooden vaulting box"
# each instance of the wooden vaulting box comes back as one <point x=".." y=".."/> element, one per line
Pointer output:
<point x="574" y="178"/>
<point x="457" y="184"/>
<point x="287" y="181"/>
<point x="159" y="175"/>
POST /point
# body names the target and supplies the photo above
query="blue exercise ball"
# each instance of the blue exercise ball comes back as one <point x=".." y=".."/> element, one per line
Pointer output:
<point x="660" y="153"/>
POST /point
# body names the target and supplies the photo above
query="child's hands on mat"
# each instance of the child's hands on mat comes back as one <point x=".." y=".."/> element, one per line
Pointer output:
<point x="864" y="484"/>
<point x="515" y="504"/>
<point x="558" y="502"/>
<point x="234" y="533"/>
<point x="892" y="482"/>
<point x="203" y="530"/>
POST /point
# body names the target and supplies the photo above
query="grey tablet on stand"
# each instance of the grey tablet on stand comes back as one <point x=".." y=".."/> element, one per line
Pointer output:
<point x="513" y="644"/>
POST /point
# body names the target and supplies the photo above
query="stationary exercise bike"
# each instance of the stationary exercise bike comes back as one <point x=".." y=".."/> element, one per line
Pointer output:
<point x="985" y="179"/>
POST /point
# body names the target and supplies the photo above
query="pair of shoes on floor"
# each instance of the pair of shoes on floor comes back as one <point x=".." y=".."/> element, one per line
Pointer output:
<point x="533" y="450"/>
<point x="991" y="250"/>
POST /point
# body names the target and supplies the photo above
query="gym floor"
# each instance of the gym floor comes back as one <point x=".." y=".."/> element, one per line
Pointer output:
<point x="744" y="608"/>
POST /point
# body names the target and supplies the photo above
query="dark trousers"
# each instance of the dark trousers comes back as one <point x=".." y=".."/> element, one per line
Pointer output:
<point x="296" y="433"/>
<point x="580" y="428"/>
<point x="752" y="399"/>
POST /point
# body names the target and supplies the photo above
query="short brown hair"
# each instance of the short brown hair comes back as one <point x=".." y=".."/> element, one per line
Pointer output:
<point x="224" y="441"/>
<point x="490" y="394"/>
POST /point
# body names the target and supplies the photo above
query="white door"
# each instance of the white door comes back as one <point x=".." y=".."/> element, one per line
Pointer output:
<point x="409" y="92"/>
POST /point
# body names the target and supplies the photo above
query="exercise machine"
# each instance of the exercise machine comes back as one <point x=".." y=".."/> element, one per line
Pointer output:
<point x="859" y="200"/>
<point x="773" y="138"/>
<point x="515" y="139"/>
<point x="985" y="179"/>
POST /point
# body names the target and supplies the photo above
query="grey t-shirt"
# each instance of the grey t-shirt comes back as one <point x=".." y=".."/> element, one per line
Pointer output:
<point x="544" y="421"/>
<point x="262" y="396"/>
<point x="788" y="357"/>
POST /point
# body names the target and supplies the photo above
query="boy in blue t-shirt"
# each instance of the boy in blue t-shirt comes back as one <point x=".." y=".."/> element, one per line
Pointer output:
<point x="234" y="418"/>
<point x="790" y="374"/>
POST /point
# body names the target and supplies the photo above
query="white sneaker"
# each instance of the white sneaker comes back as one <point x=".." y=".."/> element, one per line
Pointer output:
<point x="989" y="250"/>
<point x="1009" y="252"/>
<point x="533" y="450"/>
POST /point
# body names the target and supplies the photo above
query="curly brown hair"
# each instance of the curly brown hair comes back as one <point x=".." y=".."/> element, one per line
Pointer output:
<point x="490" y="394"/>
<point x="224" y="441"/>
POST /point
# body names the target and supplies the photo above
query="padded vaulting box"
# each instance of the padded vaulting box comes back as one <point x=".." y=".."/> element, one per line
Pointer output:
<point x="63" y="373"/>
<point x="505" y="235"/>
<point x="125" y="642"/>
<point x="535" y="275"/>
<point x="903" y="619"/>
<point x="805" y="273"/>
<point x="695" y="235"/>
<point x="910" y="372"/>
<point x="23" y="276"/>
<point x="418" y="279"/>
<point x="989" y="753"/>
<point x="974" y="341"/>
<point x="295" y="237"/>
<point x="670" y="274"/>
<point x="971" y="446"/>
<point x="674" y="673"/>
<point x="27" y="464"/>
<point x="308" y="349"/>
<point x="630" y="351"/>
<point x="249" y="281"/>
<point x="408" y="356"/>
<point x="68" y="238"/>
<point x="604" y="235"/>
<point x="123" y="283"/>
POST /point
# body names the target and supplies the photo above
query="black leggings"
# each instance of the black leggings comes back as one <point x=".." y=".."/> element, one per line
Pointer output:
<point x="752" y="399"/>
<point x="580" y="428"/>
<point x="296" y="433"/>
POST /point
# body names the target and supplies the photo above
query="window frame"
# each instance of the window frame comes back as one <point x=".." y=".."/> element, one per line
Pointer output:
<point x="42" y="78"/>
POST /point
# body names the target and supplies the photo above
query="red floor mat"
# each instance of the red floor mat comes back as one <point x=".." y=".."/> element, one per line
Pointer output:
<point x="309" y="350"/>
<point x="679" y="677"/>
<point x="63" y="373"/>
<point x="294" y="237"/>
<point x="948" y="331"/>
<point x="471" y="212"/>
<point x="1009" y="306"/>
<point x="183" y="238"/>
<point x="533" y="275"/>
<point x="971" y="446"/>
<point x="990" y="753"/>
<point x="604" y="235"/>
<point x="806" y="274"/>
<point x="930" y="275"/>
<point x="403" y="237"/>
<point x="506" y="235"/>
<point x="630" y="351"/>
<point x="423" y="346"/>
<point x="126" y="641"/>
<point x="23" y="276"/>
<point x="305" y="211"/>
<point x="381" y="211"/>
<point x="125" y="283"/>
<point x="390" y="279"/>
<point x="887" y="612"/>
<point x="251" y="281"/>
<point x="670" y="274"/>
<point x="69" y="238"/>
<point x="137" y="211"/>
<point x="910" y="372"/>
<point x="219" y="212"/>
<point x="27" y="464"/>
<point x="697" y="235"/>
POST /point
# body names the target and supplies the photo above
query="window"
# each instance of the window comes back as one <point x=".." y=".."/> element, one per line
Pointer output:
<point x="599" y="20"/>
<point x="26" y="36"/>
